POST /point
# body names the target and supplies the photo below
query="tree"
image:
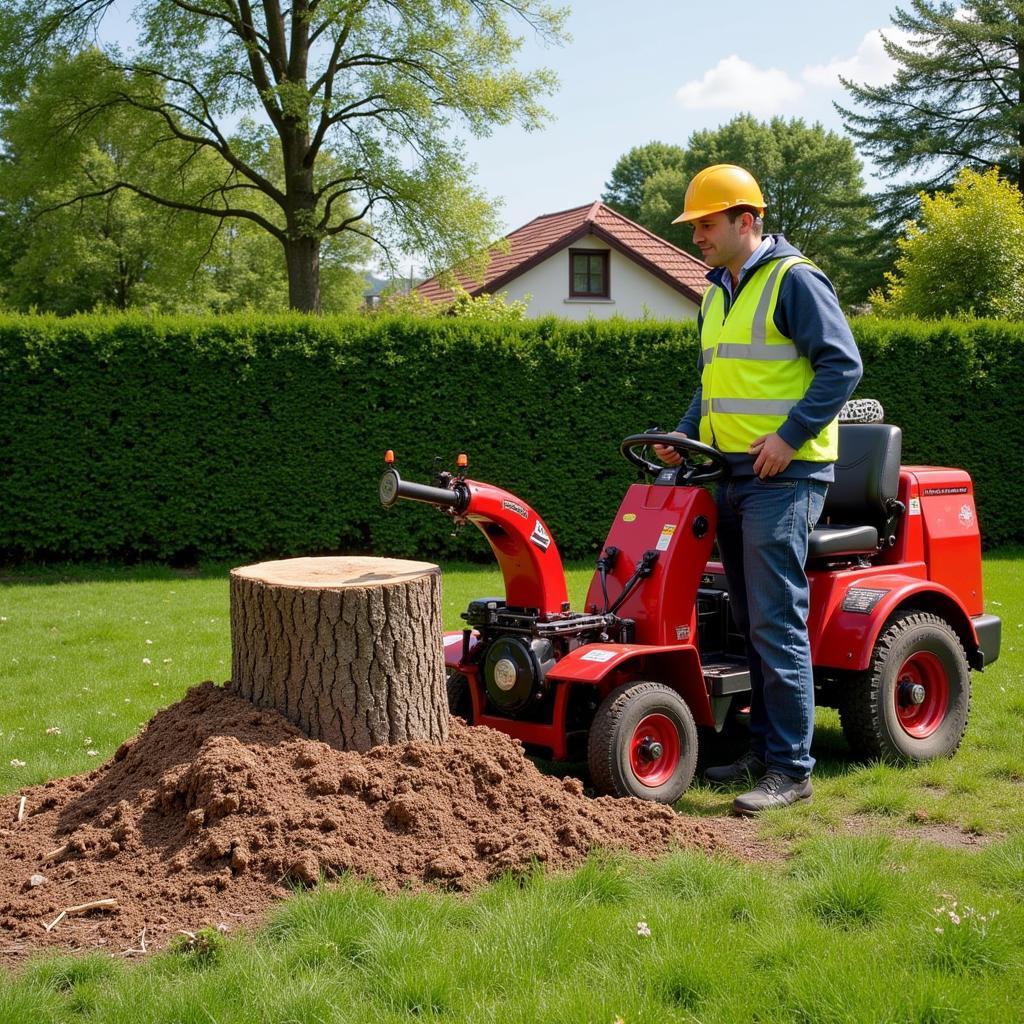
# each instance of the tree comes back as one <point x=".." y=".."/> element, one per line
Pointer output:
<point x="112" y="250"/>
<point x="624" y="189"/>
<point x="360" y="99"/>
<point x="67" y="251"/>
<point x="957" y="98"/>
<point x="811" y="179"/>
<point x="965" y="255"/>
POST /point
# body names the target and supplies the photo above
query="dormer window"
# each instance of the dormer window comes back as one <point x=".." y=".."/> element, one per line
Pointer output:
<point x="588" y="274"/>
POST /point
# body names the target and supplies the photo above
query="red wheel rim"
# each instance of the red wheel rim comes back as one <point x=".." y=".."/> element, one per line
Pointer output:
<point x="651" y="766"/>
<point x="924" y="670"/>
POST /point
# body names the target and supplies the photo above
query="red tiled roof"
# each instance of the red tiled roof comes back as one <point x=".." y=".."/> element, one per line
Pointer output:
<point x="544" y="236"/>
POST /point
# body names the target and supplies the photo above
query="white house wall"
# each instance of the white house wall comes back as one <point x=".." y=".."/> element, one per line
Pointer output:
<point x="634" y="291"/>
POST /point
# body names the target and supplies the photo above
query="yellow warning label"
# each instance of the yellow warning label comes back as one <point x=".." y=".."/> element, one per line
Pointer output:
<point x="666" y="536"/>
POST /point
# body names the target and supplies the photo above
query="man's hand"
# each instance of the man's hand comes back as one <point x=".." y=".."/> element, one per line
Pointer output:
<point x="669" y="455"/>
<point x="773" y="455"/>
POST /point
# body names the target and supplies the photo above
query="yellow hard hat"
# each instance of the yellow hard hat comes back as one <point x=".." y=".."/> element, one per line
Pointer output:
<point x="718" y="188"/>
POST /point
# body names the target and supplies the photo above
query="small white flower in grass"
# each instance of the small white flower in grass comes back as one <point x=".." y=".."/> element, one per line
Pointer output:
<point x="955" y="918"/>
<point x="3" y="618"/>
<point x="149" y="641"/>
<point x="643" y="929"/>
<point x="92" y="753"/>
<point x="167" y="661"/>
<point x="146" y="661"/>
<point x="127" y="700"/>
<point x="87" y="741"/>
<point x="157" y="683"/>
<point x="54" y="730"/>
<point x="938" y="930"/>
<point x="15" y="763"/>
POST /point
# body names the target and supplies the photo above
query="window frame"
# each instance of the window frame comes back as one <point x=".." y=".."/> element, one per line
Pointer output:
<point x="605" y="292"/>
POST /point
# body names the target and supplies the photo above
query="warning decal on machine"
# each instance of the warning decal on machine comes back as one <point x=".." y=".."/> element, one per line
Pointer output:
<point x="597" y="656"/>
<point x="666" y="536"/>
<point x="915" y="507"/>
<point x="540" y="536"/>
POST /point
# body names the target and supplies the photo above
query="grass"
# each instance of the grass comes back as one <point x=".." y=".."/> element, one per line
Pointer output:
<point x="857" y="925"/>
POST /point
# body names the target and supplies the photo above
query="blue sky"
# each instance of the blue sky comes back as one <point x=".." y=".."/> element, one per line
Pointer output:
<point x="659" y="69"/>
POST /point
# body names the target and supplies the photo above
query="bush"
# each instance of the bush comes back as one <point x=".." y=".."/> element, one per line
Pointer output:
<point x="255" y="436"/>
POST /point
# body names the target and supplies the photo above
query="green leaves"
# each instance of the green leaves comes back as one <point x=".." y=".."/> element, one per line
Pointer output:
<point x="245" y="435"/>
<point x="964" y="256"/>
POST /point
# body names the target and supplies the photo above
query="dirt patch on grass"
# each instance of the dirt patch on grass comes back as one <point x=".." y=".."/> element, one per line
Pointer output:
<point x="217" y="808"/>
<point x="950" y="836"/>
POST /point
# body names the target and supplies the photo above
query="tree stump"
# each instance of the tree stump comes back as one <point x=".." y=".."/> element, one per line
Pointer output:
<point x="349" y="649"/>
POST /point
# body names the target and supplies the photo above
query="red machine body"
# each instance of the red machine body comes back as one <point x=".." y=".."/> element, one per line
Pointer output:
<point x="521" y="541"/>
<point x="656" y="623"/>
<point x="934" y="564"/>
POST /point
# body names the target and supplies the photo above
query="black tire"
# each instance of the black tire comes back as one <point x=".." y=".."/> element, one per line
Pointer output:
<point x="460" y="703"/>
<point x="878" y="716"/>
<point x="617" y="766"/>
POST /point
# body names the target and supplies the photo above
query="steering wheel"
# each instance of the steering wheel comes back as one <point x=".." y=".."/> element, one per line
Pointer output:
<point x="713" y="466"/>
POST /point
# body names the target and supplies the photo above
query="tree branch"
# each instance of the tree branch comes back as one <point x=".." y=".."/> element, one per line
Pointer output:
<point x="173" y="204"/>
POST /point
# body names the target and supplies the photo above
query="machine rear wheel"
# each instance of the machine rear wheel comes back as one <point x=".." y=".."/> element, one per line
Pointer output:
<point x="460" y="703"/>
<point x="913" y="701"/>
<point x="643" y="743"/>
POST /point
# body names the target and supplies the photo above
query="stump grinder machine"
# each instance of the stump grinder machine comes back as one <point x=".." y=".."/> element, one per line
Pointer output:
<point x="896" y="617"/>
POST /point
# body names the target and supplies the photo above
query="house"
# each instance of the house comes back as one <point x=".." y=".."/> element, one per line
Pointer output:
<point x="589" y="262"/>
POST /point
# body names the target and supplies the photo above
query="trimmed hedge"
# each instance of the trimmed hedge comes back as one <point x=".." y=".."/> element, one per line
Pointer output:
<point x="247" y="437"/>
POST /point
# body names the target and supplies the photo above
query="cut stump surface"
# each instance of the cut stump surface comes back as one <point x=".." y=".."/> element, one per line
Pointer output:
<point x="349" y="649"/>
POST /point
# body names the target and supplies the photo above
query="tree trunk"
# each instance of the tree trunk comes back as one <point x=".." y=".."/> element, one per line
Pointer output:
<point x="349" y="649"/>
<point x="302" y="254"/>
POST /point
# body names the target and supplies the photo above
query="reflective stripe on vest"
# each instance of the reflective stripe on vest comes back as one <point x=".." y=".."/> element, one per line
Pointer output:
<point x="753" y="375"/>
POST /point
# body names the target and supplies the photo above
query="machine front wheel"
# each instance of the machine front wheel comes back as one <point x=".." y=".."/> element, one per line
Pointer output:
<point x="643" y="743"/>
<point x="913" y="701"/>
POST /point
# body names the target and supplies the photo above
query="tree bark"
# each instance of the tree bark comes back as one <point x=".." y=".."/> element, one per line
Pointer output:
<point x="349" y="649"/>
<point x="302" y="255"/>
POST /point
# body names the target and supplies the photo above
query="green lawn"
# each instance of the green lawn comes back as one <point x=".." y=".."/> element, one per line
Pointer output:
<point x="849" y="928"/>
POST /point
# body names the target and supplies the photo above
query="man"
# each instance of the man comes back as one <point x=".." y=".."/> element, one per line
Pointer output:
<point x="777" y="363"/>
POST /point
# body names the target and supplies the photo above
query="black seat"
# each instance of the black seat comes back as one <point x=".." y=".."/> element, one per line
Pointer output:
<point x="861" y="509"/>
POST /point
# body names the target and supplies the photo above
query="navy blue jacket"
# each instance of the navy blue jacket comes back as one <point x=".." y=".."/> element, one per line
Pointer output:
<point x="808" y="314"/>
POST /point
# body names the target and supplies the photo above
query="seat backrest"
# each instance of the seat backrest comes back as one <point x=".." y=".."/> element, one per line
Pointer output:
<point x="867" y="474"/>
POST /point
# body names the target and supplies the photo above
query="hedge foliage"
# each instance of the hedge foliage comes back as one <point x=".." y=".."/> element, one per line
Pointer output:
<point x="247" y="437"/>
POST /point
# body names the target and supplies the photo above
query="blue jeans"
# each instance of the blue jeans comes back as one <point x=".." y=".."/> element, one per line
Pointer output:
<point x="762" y="536"/>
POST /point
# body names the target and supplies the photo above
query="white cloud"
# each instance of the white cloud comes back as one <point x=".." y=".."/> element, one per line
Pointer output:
<point x="870" y="65"/>
<point x="736" y="84"/>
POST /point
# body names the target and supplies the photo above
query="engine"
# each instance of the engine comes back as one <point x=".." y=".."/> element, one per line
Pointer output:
<point x="514" y="671"/>
<point x="512" y="659"/>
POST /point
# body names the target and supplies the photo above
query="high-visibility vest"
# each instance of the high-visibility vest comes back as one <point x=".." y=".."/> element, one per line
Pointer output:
<point x="753" y="374"/>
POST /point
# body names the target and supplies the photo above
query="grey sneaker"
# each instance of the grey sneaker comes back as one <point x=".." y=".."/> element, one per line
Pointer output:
<point x="744" y="769"/>
<point x="775" y="789"/>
